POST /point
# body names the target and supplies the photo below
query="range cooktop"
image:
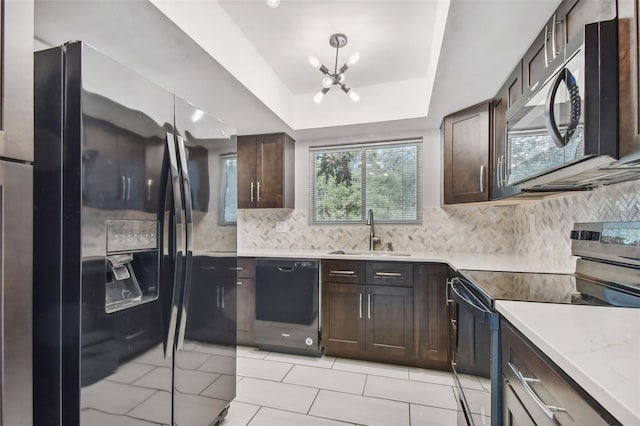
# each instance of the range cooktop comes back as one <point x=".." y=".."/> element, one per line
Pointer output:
<point x="490" y="286"/>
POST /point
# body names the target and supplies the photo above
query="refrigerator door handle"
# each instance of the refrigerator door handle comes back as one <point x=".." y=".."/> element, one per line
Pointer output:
<point x="188" y="208"/>
<point x="178" y="246"/>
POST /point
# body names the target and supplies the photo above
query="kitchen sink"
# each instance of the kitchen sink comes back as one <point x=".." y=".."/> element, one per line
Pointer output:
<point x="370" y="253"/>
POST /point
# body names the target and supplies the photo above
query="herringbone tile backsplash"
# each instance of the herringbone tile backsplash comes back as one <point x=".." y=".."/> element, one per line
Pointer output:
<point x="539" y="228"/>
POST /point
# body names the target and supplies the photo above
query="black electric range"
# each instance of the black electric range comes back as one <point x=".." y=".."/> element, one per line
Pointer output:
<point x="607" y="274"/>
<point x="489" y="286"/>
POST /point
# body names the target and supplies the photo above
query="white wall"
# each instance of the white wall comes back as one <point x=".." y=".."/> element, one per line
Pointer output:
<point x="431" y="163"/>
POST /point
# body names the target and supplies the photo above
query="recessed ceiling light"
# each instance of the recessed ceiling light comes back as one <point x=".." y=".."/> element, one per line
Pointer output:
<point x="272" y="3"/>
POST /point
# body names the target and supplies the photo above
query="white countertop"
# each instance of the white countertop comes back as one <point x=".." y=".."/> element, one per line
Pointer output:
<point x="481" y="262"/>
<point x="597" y="346"/>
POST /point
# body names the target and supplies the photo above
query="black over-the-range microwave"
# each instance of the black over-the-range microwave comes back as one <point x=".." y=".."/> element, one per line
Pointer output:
<point x="564" y="134"/>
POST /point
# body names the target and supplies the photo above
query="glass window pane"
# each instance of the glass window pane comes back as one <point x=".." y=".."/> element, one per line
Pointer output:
<point x="230" y="192"/>
<point x="338" y="181"/>
<point x="384" y="177"/>
<point x="391" y="189"/>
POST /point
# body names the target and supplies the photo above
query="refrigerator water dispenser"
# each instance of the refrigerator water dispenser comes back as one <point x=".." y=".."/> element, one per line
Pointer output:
<point x="132" y="260"/>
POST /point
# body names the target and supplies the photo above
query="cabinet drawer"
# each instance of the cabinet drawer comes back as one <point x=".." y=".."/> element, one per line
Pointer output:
<point x="246" y="267"/>
<point x="390" y="273"/>
<point x="538" y="382"/>
<point x="343" y="271"/>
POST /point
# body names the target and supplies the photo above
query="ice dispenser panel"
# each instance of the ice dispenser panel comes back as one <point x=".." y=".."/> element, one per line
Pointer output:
<point x="132" y="263"/>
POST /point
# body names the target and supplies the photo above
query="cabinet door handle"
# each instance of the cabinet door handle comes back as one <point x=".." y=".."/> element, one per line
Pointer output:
<point x="369" y="305"/>
<point x="258" y="191"/>
<point x="546" y="55"/>
<point x="340" y="272"/>
<point x="389" y="274"/>
<point x="482" y="178"/>
<point x="218" y="296"/>
<point x="546" y="409"/>
<point x="360" y="305"/>
<point x="123" y="187"/>
<point x="499" y="178"/>
<point x="128" y="188"/>
<point x="222" y="297"/>
<point x="252" y="192"/>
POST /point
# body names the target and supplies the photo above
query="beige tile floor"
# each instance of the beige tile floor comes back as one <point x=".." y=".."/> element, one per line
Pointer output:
<point x="276" y="389"/>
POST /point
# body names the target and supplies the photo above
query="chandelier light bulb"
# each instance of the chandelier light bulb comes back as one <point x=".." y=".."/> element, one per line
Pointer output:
<point x="341" y="77"/>
<point x="314" y="62"/>
<point x="354" y="96"/>
<point x="327" y="82"/>
<point x="272" y="3"/>
<point x="317" y="98"/>
<point x="353" y="58"/>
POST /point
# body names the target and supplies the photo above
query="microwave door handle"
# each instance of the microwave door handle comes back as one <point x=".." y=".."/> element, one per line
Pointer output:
<point x="176" y="250"/>
<point x="549" y="117"/>
<point x="188" y="209"/>
<point x="554" y="48"/>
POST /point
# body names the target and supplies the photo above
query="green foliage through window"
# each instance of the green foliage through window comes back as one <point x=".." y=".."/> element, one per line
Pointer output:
<point x="349" y="181"/>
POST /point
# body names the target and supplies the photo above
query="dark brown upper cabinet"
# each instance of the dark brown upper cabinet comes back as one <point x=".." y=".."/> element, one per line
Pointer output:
<point x="510" y="92"/>
<point x="629" y="76"/>
<point x="265" y="171"/>
<point x="467" y="135"/>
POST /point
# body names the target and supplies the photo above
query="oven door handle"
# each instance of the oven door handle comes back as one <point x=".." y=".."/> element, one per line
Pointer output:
<point x="474" y="306"/>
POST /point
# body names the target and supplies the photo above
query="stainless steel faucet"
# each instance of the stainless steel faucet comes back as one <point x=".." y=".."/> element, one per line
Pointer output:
<point x="372" y="238"/>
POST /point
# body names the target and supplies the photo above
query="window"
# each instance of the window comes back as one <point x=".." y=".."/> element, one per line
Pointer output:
<point x="229" y="197"/>
<point x="347" y="181"/>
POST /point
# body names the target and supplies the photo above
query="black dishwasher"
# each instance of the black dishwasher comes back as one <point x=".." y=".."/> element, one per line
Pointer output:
<point x="287" y="306"/>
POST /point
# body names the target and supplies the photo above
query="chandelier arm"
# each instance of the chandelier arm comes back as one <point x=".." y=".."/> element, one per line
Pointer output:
<point x="324" y="70"/>
<point x="344" y="68"/>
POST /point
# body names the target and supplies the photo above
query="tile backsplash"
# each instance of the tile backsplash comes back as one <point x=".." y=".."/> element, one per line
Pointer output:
<point x="538" y="228"/>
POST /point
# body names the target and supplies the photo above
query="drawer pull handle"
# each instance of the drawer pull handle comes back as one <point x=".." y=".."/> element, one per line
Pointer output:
<point x="239" y="282"/>
<point x="546" y="409"/>
<point x="389" y="274"/>
<point x="236" y="268"/>
<point x="342" y="272"/>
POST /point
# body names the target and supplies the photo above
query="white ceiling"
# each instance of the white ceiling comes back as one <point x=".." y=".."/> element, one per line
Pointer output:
<point x="393" y="37"/>
<point x="481" y="43"/>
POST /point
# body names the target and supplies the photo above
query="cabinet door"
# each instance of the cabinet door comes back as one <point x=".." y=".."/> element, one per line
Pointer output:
<point x="389" y="322"/>
<point x="466" y="155"/>
<point x="246" y="172"/>
<point x="629" y="76"/>
<point x="270" y="171"/>
<point x="431" y="314"/>
<point x="343" y="326"/>
<point x="513" y="412"/>
<point x="246" y="294"/>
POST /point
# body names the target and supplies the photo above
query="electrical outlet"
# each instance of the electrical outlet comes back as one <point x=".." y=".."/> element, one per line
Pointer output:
<point x="281" y="227"/>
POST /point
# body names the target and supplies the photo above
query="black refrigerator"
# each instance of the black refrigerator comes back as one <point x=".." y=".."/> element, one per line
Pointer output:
<point x="134" y="248"/>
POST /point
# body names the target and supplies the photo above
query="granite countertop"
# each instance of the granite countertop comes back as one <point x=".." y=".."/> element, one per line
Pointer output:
<point x="597" y="346"/>
<point x="458" y="261"/>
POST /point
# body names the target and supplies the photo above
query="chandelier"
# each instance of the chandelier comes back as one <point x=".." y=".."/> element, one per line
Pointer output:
<point x="336" y="78"/>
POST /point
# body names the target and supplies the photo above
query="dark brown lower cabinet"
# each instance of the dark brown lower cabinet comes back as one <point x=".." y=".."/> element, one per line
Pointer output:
<point x="514" y="413"/>
<point x="368" y="321"/>
<point x="537" y="392"/>
<point x="246" y="290"/>
<point x="246" y="296"/>
<point x="431" y="318"/>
